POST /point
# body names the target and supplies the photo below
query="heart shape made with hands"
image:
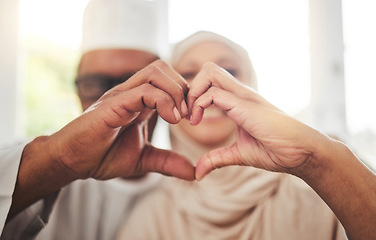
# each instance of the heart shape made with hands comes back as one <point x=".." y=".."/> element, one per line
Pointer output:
<point x="203" y="92"/>
<point x="112" y="136"/>
<point x="266" y="137"/>
<point x="122" y="116"/>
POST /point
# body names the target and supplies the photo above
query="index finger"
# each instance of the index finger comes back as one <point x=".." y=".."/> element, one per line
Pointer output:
<point x="162" y="76"/>
<point x="173" y="74"/>
<point x="179" y="80"/>
<point x="213" y="75"/>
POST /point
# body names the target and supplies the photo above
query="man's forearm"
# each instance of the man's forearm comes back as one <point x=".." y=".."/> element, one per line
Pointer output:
<point x="38" y="176"/>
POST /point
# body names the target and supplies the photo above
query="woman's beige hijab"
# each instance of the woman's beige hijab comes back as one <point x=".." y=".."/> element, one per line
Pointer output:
<point x="202" y="37"/>
<point x="230" y="203"/>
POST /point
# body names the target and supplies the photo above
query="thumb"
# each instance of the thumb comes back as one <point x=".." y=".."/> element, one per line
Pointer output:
<point x="167" y="163"/>
<point x="217" y="158"/>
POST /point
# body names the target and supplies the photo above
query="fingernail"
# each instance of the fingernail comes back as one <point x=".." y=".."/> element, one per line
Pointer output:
<point x="184" y="108"/>
<point x="177" y="114"/>
<point x="198" y="178"/>
<point x="190" y="119"/>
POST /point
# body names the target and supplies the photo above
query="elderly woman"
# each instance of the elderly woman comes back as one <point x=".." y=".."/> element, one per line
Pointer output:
<point x="233" y="202"/>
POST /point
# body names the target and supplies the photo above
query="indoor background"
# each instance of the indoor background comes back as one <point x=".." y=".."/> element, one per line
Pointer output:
<point x="315" y="59"/>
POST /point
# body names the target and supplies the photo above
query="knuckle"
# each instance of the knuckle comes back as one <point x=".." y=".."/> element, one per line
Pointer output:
<point x="211" y="70"/>
<point x="160" y="63"/>
<point x="154" y="69"/>
<point x="146" y="88"/>
<point x="210" y="67"/>
<point x="163" y="100"/>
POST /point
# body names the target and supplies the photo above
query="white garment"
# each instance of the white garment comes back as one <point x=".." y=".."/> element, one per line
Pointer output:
<point x="9" y="163"/>
<point x="85" y="209"/>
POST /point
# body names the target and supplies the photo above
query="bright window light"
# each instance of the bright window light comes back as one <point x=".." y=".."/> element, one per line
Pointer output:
<point x="274" y="32"/>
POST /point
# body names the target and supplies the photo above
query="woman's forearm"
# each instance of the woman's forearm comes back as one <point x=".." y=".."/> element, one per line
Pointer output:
<point x="346" y="185"/>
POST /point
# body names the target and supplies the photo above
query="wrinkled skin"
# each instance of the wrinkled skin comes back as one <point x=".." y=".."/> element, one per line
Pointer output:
<point x="116" y="140"/>
<point x="261" y="141"/>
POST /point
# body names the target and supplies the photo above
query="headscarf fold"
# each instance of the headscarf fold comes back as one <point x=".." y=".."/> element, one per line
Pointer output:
<point x="224" y="195"/>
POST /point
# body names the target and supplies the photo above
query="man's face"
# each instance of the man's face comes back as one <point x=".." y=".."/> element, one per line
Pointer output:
<point x="101" y="70"/>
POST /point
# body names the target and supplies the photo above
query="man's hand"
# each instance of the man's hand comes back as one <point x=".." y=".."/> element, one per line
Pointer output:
<point x="111" y="138"/>
<point x="108" y="140"/>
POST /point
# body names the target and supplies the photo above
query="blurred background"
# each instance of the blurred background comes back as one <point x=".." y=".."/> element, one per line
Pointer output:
<point x="315" y="59"/>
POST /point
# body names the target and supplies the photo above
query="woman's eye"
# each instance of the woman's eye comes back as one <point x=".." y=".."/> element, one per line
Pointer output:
<point x="188" y="75"/>
<point x="233" y="72"/>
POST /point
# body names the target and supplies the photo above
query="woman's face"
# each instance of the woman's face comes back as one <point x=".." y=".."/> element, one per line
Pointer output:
<point x="215" y="127"/>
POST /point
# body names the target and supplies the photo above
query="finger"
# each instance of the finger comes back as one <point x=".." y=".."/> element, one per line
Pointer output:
<point x="173" y="74"/>
<point x="167" y="163"/>
<point x="213" y="75"/>
<point x="226" y="101"/>
<point x="162" y="76"/>
<point x="170" y="72"/>
<point x="242" y="111"/>
<point x="217" y="158"/>
<point x="121" y="109"/>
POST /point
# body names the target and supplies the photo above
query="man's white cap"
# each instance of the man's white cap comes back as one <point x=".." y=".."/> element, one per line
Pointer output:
<point x="125" y="24"/>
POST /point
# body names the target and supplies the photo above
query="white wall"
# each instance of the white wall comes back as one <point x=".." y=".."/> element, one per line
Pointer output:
<point x="8" y="70"/>
<point x="328" y="105"/>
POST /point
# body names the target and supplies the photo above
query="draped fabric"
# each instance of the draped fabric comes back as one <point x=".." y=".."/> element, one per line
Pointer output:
<point x="231" y="203"/>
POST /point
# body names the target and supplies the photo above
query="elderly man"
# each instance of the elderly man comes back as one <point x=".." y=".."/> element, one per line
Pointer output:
<point x="119" y="38"/>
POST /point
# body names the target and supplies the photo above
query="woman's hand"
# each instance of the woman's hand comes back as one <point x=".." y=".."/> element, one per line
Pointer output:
<point x="267" y="138"/>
